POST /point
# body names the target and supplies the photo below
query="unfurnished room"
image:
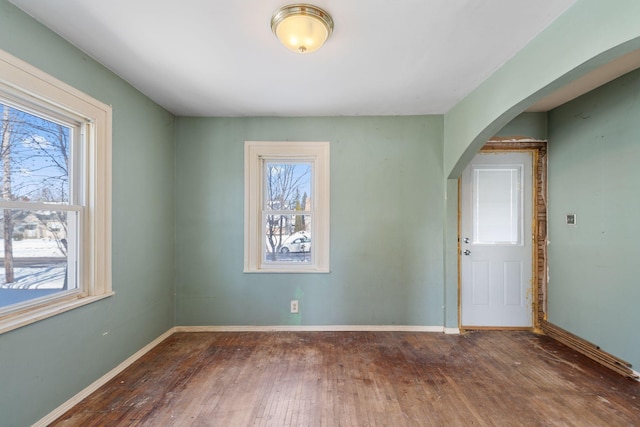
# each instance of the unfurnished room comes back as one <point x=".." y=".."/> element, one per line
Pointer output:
<point x="339" y="213"/>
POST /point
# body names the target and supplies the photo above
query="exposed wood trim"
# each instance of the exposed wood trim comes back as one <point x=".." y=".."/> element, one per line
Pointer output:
<point x="539" y="226"/>
<point x="590" y="350"/>
<point x="60" y="410"/>
<point x="495" y="328"/>
<point x="514" y="144"/>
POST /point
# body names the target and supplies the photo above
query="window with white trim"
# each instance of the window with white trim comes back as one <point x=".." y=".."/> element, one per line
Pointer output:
<point x="55" y="196"/>
<point x="286" y="207"/>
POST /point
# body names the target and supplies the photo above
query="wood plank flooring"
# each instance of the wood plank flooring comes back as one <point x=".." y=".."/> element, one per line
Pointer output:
<point x="484" y="378"/>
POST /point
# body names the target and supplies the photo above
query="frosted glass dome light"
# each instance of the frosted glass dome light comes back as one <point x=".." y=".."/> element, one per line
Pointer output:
<point x="302" y="28"/>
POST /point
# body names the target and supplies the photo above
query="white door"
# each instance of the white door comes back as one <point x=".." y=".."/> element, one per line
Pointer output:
<point x="495" y="240"/>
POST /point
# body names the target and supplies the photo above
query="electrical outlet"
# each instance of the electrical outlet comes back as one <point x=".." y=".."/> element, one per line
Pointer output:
<point x="294" y="306"/>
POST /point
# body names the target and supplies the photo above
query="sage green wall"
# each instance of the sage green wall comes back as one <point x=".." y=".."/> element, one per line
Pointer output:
<point x="526" y="125"/>
<point x="387" y="204"/>
<point x="44" y="364"/>
<point x="594" y="152"/>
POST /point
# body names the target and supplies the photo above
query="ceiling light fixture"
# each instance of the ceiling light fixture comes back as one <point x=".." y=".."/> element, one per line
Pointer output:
<point x="302" y="28"/>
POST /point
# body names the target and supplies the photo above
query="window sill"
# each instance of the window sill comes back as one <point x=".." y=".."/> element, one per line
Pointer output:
<point x="27" y="317"/>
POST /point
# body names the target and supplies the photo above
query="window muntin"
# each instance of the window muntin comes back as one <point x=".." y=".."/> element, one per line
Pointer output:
<point x="39" y="245"/>
<point x="286" y="206"/>
<point x="55" y="196"/>
<point x="287" y="211"/>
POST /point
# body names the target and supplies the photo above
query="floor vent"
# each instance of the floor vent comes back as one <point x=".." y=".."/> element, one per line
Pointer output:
<point x="590" y="350"/>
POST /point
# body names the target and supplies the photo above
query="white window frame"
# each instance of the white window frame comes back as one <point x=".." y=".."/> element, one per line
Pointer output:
<point x="255" y="154"/>
<point x="41" y="92"/>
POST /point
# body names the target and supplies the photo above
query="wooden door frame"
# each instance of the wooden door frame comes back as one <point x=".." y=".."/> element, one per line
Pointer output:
<point x="538" y="149"/>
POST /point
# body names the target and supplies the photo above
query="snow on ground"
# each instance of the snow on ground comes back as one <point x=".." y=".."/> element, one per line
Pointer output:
<point x="32" y="282"/>
<point x="46" y="277"/>
<point x="33" y="248"/>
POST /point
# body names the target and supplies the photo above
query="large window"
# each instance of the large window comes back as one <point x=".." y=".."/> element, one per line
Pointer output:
<point x="286" y="206"/>
<point x="54" y="198"/>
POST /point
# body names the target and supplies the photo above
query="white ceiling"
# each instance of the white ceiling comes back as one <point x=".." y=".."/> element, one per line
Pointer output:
<point x="220" y="58"/>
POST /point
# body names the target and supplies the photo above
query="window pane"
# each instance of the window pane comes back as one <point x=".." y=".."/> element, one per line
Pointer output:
<point x="287" y="186"/>
<point x="497" y="205"/>
<point x="288" y="238"/>
<point x="38" y="257"/>
<point x="35" y="158"/>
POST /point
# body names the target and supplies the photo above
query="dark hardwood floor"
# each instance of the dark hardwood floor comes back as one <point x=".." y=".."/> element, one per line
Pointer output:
<point x="361" y="379"/>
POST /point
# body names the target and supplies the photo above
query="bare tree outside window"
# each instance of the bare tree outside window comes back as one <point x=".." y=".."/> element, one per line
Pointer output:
<point x="35" y="157"/>
<point x="287" y="197"/>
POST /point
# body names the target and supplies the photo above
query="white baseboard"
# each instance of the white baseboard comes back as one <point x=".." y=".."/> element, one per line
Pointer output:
<point x="317" y="328"/>
<point x="452" y="331"/>
<point x="60" y="410"/>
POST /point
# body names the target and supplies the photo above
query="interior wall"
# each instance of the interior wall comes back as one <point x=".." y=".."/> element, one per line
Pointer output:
<point x="44" y="364"/>
<point x="525" y="126"/>
<point x="387" y="204"/>
<point x="594" y="152"/>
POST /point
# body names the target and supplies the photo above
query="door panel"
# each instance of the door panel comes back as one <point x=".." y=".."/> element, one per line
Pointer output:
<point x="513" y="293"/>
<point x="496" y="259"/>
